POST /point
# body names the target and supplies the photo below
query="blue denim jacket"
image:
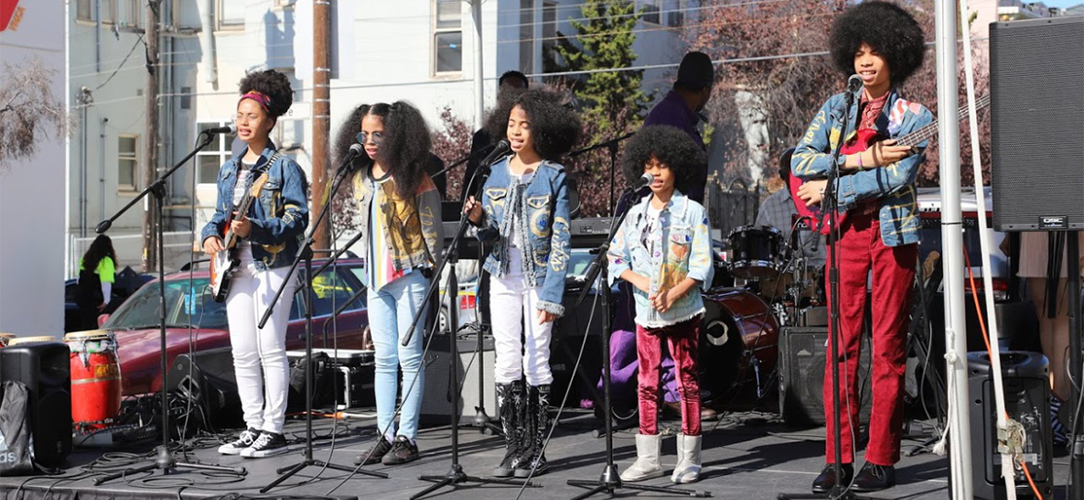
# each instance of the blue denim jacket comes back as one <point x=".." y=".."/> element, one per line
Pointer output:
<point x="278" y="220"/>
<point x="685" y="230"/>
<point x="893" y="185"/>
<point x="547" y="220"/>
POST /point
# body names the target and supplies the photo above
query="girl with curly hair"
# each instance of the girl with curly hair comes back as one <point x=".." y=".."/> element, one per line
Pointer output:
<point x="663" y="248"/>
<point x="399" y="216"/>
<point x="884" y="45"/>
<point x="270" y="235"/>
<point x="525" y="208"/>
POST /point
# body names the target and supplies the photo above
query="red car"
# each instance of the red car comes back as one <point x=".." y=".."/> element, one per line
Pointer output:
<point x="194" y="320"/>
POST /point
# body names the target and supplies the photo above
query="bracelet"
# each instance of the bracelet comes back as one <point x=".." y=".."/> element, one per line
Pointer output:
<point x="860" y="168"/>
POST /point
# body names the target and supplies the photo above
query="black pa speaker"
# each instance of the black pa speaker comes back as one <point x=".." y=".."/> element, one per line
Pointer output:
<point x="208" y="379"/>
<point x="1037" y="123"/>
<point x="45" y="369"/>
<point x="802" y="365"/>
<point x="1026" y="379"/>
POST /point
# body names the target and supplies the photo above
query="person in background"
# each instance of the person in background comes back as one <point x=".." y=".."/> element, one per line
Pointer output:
<point x="682" y="106"/>
<point x="97" y="273"/>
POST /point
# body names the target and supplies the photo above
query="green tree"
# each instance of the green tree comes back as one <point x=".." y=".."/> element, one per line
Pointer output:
<point x="612" y="99"/>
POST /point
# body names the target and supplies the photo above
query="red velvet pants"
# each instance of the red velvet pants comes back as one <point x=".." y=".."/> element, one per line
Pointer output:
<point x="861" y="251"/>
<point x="683" y="338"/>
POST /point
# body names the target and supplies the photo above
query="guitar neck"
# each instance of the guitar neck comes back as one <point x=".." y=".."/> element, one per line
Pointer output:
<point x="929" y="131"/>
<point x="231" y="239"/>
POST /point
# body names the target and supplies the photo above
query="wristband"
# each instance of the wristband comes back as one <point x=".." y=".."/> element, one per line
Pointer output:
<point x="860" y="168"/>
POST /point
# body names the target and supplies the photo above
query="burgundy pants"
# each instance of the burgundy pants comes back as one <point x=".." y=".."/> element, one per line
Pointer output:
<point x="683" y="338"/>
<point x="861" y="251"/>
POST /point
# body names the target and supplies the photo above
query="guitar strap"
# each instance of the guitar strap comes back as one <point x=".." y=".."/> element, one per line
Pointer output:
<point x="263" y="177"/>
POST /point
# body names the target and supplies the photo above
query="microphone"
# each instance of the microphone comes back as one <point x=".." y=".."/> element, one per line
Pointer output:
<point x="644" y="180"/>
<point x="228" y="129"/>
<point x="854" y="84"/>
<point x="502" y="148"/>
<point x="348" y="160"/>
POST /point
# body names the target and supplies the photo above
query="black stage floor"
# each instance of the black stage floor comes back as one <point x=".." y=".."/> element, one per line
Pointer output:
<point x="747" y="455"/>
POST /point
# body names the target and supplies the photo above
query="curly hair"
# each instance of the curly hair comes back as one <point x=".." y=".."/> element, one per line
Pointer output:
<point x="496" y="124"/>
<point x="887" y="29"/>
<point x="405" y="150"/>
<point x="555" y="128"/>
<point x="274" y="85"/>
<point x="99" y="249"/>
<point x="348" y="136"/>
<point x="670" y="146"/>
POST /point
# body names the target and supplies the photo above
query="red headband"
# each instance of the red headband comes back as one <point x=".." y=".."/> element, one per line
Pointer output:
<point x="259" y="97"/>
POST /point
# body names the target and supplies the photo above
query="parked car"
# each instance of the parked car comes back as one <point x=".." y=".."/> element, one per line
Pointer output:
<point x="128" y="281"/>
<point x="194" y="321"/>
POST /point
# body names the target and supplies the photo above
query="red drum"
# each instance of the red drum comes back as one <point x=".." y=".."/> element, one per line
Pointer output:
<point x="96" y="383"/>
<point x="738" y="342"/>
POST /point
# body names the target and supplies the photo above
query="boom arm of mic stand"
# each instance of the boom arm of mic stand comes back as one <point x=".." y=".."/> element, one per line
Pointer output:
<point x="337" y="254"/>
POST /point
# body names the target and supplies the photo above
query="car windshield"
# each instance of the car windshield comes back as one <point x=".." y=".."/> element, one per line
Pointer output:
<point x="186" y="304"/>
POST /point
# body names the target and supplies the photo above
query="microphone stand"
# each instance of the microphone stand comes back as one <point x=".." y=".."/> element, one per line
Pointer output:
<point x="829" y="203"/>
<point x="610" y="481"/>
<point x="306" y="254"/>
<point x="455" y="475"/>
<point x="164" y="463"/>
<point x="612" y="146"/>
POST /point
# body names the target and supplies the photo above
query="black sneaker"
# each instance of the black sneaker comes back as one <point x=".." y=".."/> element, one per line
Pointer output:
<point x="268" y="444"/>
<point x="402" y="451"/>
<point x="247" y="437"/>
<point x="374" y="454"/>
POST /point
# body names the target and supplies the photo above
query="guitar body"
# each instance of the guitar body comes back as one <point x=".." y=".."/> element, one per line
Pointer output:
<point x="226" y="261"/>
<point x="859" y="143"/>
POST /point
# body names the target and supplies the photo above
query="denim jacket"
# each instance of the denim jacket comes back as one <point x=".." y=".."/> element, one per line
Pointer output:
<point x="545" y="212"/>
<point x="684" y="227"/>
<point x="418" y="236"/>
<point x="279" y="218"/>
<point x="893" y="185"/>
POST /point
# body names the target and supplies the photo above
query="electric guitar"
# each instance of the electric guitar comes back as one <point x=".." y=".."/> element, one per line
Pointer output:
<point x="862" y="140"/>
<point x="226" y="261"/>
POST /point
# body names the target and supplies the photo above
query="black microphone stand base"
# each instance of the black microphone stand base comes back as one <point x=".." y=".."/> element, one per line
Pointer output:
<point x="834" y="494"/>
<point x="456" y="476"/>
<point x="287" y="472"/>
<point x="166" y="465"/>
<point x="610" y="482"/>
<point x="485" y="423"/>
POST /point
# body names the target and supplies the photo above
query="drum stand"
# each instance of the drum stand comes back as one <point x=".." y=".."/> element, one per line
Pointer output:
<point x="164" y="462"/>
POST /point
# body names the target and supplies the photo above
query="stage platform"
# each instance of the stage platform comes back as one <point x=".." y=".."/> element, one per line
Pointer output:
<point x="748" y="455"/>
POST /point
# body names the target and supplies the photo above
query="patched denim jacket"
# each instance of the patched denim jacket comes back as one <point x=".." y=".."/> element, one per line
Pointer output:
<point x="279" y="218"/>
<point x="546" y="218"/>
<point x="682" y="242"/>
<point x="893" y="185"/>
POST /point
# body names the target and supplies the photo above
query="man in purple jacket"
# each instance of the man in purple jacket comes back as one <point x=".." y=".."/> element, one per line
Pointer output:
<point x="682" y="106"/>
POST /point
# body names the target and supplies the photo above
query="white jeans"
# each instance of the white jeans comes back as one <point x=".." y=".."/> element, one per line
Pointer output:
<point x="514" y="306"/>
<point x="263" y="395"/>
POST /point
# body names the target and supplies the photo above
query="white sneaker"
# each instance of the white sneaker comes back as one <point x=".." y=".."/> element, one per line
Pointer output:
<point x="247" y="437"/>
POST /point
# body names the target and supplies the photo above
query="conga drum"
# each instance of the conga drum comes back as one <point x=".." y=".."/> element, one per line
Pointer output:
<point x="26" y="340"/>
<point x="95" y="374"/>
<point x="5" y="338"/>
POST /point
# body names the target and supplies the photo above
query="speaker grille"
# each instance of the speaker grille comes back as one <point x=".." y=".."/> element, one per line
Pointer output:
<point x="1037" y="122"/>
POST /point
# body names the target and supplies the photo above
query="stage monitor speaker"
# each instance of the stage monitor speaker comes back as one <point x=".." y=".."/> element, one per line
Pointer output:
<point x="208" y="378"/>
<point x="1026" y="379"/>
<point x="437" y="396"/>
<point x="1037" y="124"/>
<point x="45" y="369"/>
<point x="802" y="366"/>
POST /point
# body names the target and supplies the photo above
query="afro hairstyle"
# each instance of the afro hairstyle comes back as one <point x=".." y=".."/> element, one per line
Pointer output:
<point x="885" y="27"/>
<point x="405" y="150"/>
<point x="555" y="127"/>
<point x="348" y="136"/>
<point x="274" y="85"/>
<point x="670" y="146"/>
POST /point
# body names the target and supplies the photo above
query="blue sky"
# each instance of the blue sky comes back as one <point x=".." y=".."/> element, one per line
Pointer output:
<point x="1062" y="3"/>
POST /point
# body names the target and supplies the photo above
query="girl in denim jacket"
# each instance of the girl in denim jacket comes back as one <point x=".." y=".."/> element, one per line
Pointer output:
<point x="663" y="248"/>
<point x="402" y="239"/>
<point x="525" y="209"/>
<point x="271" y="234"/>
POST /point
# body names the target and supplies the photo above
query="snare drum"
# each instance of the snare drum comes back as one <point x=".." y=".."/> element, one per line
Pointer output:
<point x="756" y="251"/>
<point x="96" y="381"/>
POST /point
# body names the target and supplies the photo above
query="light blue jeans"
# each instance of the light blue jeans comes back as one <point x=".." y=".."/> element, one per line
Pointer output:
<point x="391" y="310"/>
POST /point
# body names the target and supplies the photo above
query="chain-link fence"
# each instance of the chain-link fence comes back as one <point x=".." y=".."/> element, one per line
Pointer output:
<point x="177" y="247"/>
<point x="730" y="205"/>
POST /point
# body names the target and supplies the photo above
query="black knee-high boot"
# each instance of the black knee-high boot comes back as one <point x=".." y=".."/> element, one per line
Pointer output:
<point x="537" y="424"/>
<point x="512" y="404"/>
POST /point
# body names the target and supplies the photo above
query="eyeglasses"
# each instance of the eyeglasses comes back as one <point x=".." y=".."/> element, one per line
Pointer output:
<point x="363" y="138"/>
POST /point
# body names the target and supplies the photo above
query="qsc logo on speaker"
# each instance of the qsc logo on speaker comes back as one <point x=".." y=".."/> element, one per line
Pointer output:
<point x="1053" y="222"/>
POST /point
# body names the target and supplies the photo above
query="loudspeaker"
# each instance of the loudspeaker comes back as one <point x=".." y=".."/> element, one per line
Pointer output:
<point x="802" y="366"/>
<point x="437" y="395"/>
<point x="44" y="368"/>
<point x="1037" y="123"/>
<point x="1027" y="400"/>
<point x="207" y="377"/>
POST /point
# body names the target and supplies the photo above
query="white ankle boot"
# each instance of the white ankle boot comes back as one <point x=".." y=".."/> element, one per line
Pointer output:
<point x="688" y="466"/>
<point x="647" y="463"/>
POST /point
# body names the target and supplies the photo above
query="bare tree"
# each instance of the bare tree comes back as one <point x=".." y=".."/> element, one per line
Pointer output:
<point x="28" y="110"/>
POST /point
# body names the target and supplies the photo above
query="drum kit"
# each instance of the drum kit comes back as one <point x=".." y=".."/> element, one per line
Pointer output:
<point x="767" y="285"/>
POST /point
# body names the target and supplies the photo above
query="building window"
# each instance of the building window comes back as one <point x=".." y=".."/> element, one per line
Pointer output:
<point x="650" y="12"/>
<point x="526" y="36"/>
<point x="127" y="162"/>
<point x="215" y="154"/>
<point x="230" y="15"/>
<point x="108" y="11"/>
<point x="447" y="36"/>
<point x="549" y="37"/>
<point x="133" y="13"/>
<point x="84" y="10"/>
<point x="676" y="18"/>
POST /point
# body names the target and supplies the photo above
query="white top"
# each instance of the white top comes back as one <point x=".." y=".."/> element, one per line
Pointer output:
<point x="517" y="179"/>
